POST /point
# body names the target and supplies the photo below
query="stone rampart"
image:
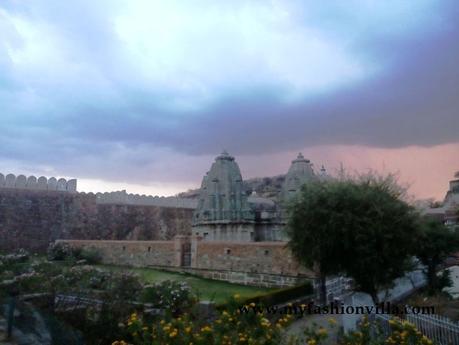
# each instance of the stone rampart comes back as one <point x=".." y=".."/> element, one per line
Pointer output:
<point x="42" y="183"/>
<point x="31" y="219"/>
<point x="123" y="198"/>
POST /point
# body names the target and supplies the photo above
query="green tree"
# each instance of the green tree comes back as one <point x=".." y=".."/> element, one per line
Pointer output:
<point x="359" y="227"/>
<point x="434" y="244"/>
<point x="314" y="237"/>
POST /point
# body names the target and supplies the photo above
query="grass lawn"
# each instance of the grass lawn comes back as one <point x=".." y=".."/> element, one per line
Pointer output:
<point x="206" y="289"/>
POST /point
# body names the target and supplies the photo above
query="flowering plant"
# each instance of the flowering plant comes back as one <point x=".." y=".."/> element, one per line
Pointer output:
<point x="170" y="295"/>
<point x="230" y="326"/>
<point x="401" y="332"/>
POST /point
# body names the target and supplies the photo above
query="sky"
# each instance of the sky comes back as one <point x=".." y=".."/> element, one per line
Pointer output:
<point x="142" y="95"/>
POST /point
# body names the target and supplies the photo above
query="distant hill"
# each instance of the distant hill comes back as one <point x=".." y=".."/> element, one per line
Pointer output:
<point x="268" y="187"/>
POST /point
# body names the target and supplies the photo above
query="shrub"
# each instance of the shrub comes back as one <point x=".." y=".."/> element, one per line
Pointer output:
<point x="90" y="255"/>
<point x="229" y="327"/>
<point x="21" y="256"/>
<point x="368" y="333"/>
<point x="124" y="287"/>
<point x="170" y="295"/>
<point x="283" y="295"/>
<point x="62" y="251"/>
<point x="59" y="251"/>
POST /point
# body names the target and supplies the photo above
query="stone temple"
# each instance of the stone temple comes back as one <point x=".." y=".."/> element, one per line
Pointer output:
<point x="226" y="213"/>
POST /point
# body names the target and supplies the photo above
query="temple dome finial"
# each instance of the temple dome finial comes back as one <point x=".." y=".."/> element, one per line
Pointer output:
<point x="225" y="155"/>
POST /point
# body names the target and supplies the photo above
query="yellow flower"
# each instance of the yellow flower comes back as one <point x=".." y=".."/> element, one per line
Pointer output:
<point x="206" y="329"/>
<point x="252" y="304"/>
<point x="322" y="331"/>
<point x="237" y="296"/>
<point x="332" y="321"/>
<point x="188" y="330"/>
<point x="312" y="342"/>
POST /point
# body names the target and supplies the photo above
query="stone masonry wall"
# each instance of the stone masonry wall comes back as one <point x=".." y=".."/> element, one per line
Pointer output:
<point x="260" y="257"/>
<point x="132" y="253"/>
<point x="31" y="219"/>
<point x="267" y="264"/>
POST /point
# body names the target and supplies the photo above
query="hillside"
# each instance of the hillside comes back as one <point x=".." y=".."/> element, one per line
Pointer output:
<point x="268" y="187"/>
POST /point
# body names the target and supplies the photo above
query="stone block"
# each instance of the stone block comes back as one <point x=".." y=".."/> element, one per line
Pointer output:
<point x="32" y="182"/>
<point x="42" y="183"/>
<point x="52" y="184"/>
<point x="62" y="185"/>
<point x="10" y="181"/>
<point x="21" y="182"/>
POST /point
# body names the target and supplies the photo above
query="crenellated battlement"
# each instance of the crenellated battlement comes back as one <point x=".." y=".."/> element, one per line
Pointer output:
<point x="42" y="183"/>
<point x="123" y="198"/>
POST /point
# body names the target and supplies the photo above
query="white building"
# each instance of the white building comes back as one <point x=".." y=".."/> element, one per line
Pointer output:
<point x="454" y="274"/>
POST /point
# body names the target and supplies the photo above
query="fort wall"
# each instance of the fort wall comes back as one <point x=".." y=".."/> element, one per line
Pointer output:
<point x="123" y="198"/>
<point x="31" y="219"/>
<point x="42" y="183"/>
<point x="267" y="264"/>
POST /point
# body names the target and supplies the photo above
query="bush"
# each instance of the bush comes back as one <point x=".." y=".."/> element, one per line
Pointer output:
<point x="62" y="251"/>
<point x="283" y="295"/>
<point x="400" y="332"/>
<point x="124" y="287"/>
<point x="59" y="251"/>
<point x="229" y="327"/>
<point x="20" y="257"/>
<point x="170" y="295"/>
<point x="90" y="255"/>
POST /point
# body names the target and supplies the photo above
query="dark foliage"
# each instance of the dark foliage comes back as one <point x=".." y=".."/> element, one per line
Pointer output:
<point x="360" y="228"/>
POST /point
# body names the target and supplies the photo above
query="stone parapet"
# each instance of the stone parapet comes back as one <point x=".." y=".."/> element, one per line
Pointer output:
<point x="123" y="198"/>
<point x="12" y="181"/>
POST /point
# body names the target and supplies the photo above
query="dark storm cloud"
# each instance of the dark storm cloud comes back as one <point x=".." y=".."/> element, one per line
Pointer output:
<point x="416" y="102"/>
<point x="102" y="118"/>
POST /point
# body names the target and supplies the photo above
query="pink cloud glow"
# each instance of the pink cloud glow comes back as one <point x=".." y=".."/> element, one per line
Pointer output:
<point x="426" y="169"/>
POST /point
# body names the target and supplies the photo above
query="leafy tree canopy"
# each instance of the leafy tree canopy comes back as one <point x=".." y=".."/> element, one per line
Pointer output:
<point x="435" y="243"/>
<point x="359" y="227"/>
